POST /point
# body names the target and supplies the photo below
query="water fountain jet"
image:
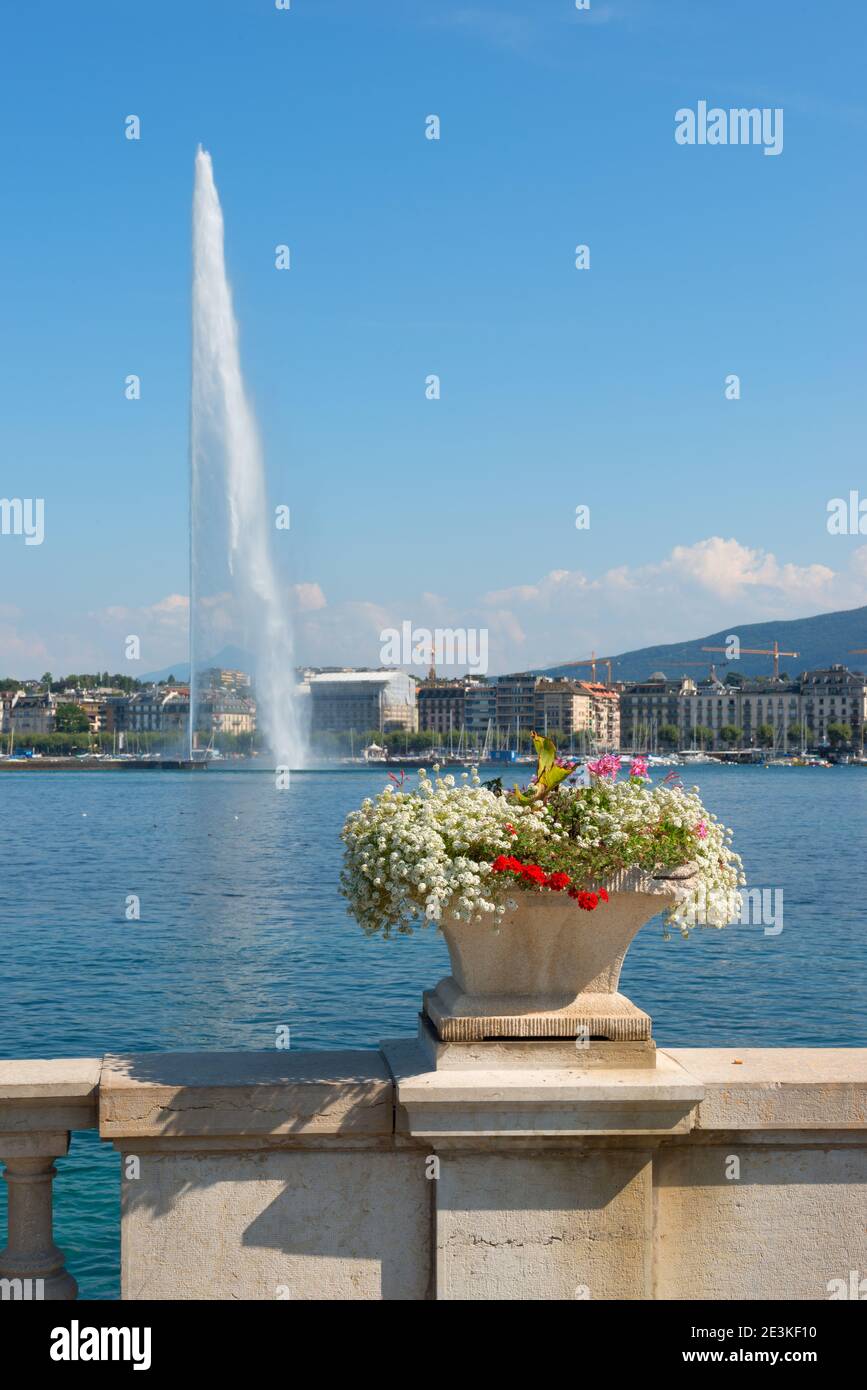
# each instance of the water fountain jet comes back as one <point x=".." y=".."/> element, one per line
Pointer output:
<point x="231" y="525"/>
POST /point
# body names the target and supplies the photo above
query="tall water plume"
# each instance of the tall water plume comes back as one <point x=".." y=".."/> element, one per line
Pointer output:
<point x="234" y="590"/>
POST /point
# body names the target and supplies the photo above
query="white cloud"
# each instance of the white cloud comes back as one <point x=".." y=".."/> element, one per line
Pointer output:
<point x="727" y="568"/>
<point x="308" y="598"/>
<point x="694" y="589"/>
<point x="19" y="654"/>
<point x="170" y="613"/>
<point x="560" y="616"/>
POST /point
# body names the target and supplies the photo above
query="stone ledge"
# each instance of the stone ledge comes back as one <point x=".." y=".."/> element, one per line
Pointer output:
<point x="213" y="1094"/>
<point x="49" y="1095"/>
<point x="767" y="1088"/>
<point x="297" y="1098"/>
<point x="522" y="1102"/>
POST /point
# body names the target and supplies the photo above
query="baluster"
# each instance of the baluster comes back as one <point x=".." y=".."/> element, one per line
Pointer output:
<point x="31" y="1253"/>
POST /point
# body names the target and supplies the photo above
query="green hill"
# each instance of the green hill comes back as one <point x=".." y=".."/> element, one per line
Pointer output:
<point x="819" y="641"/>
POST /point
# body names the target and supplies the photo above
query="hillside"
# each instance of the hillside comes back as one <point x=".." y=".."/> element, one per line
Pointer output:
<point x="820" y="641"/>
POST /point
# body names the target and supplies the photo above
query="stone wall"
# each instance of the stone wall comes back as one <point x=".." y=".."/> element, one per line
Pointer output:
<point x="435" y="1171"/>
<point x="719" y="1173"/>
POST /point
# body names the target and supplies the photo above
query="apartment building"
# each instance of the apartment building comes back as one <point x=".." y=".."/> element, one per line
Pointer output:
<point x="363" y="700"/>
<point x="605" y="714"/>
<point x="516" y="703"/>
<point x="563" y="706"/>
<point x="833" y="695"/>
<point x="224" y="713"/>
<point x="816" y="699"/>
<point x="34" y="714"/>
<point x="442" y="705"/>
<point x="647" y="706"/>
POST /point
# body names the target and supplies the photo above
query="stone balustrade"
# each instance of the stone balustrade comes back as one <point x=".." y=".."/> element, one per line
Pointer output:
<point x="40" y="1103"/>
<point x="731" y="1173"/>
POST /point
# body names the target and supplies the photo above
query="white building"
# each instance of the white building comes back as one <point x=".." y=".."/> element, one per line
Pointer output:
<point x="362" y="700"/>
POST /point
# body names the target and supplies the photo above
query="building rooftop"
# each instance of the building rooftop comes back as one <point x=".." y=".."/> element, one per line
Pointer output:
<point x="353" y="677"/>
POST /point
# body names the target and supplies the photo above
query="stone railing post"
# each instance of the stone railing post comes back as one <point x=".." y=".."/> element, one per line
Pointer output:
<point x="31" y="1262"/>
<point x="40" y="1103"/>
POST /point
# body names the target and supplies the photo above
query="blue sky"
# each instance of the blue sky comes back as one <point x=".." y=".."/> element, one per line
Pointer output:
<point x="456" y="257"/>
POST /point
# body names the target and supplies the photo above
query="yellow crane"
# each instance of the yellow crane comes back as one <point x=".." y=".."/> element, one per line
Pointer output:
<point x="773" y="651"/>
<point x="592" y="663"/>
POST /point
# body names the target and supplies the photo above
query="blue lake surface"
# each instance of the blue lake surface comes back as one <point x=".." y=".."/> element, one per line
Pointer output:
<point x="242" y="931"/>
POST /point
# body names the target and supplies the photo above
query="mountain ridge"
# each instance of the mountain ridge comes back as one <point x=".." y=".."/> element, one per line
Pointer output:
<point x="823" y="640"/>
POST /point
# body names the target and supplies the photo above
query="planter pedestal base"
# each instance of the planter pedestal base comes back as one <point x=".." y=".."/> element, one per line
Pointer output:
<point x="580" y="1053"/>
<point x="461" y="1017"/>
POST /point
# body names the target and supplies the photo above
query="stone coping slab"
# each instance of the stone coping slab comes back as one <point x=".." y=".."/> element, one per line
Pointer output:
<point x="768" y="1088"/>
<point x="275" y="1096"/>
<point x="536" y="1101"/>
<point x="43" y="1095"/>
<point x="190" y="1094"/>
<point x="37" y="1078"/>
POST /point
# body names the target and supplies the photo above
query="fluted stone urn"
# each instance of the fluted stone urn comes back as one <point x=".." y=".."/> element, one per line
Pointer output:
<point x="552" y="970"/>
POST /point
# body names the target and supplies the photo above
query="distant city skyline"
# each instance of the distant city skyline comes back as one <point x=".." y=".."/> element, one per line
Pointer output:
<point x="561" y="388"/>
<point x="756" y="650"/>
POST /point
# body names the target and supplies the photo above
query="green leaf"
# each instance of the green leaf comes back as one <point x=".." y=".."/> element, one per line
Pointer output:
<point x="546" y="754"/>
<point x="553" y="777"/>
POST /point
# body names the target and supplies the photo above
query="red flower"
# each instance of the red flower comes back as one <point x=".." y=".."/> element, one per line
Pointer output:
<point x="507" y="862"/>
<point x="588" y="901"/>
<point x="558" y="882"/>
<point x="511" y="829"/>
<point x="533" y="874"/>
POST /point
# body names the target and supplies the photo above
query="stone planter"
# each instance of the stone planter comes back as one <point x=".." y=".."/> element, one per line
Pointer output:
<point x="552" y="970"/>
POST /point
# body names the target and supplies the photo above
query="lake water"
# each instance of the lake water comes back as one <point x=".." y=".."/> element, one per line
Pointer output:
<point x="242" y="931"/>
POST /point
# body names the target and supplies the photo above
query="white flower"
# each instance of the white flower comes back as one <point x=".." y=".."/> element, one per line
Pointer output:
<point x="429" y="853"/>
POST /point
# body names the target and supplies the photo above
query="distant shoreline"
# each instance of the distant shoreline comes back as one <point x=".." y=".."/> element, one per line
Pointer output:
<point x="102" y="765"/>
<point x="508" y="771"/>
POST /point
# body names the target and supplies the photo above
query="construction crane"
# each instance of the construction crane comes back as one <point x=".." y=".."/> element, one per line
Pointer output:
<point x="593" y="662"/>
<point x="758" y="651"/>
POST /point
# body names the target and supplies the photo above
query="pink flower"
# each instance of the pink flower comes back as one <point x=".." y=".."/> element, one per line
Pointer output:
<point x="638" y="767"/>
<point x="607" y="766"/>
<point x="701" y="830"/>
